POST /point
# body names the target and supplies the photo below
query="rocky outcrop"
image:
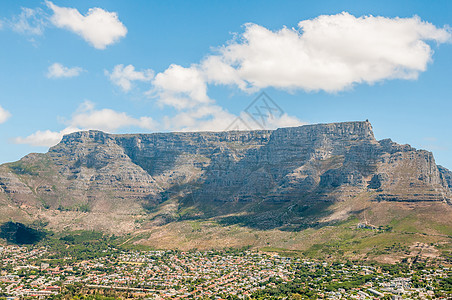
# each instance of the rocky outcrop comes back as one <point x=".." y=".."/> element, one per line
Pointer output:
<point x="446" y="175"/>
<point x="220" y="172"/>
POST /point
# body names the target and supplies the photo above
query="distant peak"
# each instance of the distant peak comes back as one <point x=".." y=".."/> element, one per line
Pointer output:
<point x="346" y="130"/>
<point x="95" y="135"/>
<point x="350" y="129"/>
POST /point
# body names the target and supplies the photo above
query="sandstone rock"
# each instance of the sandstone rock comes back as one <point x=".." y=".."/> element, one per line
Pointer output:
<point x="223" y="172"/>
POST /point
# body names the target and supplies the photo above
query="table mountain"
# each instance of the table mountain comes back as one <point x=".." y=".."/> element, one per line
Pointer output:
<point x="286" y="179"/>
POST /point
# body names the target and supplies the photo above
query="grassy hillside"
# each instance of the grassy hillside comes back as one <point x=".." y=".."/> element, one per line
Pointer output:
<point x="393" y="232"/>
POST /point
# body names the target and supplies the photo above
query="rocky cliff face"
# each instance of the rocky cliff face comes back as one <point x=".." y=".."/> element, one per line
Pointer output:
<point x="214" y="173"/>
<point x="446" y="175"/>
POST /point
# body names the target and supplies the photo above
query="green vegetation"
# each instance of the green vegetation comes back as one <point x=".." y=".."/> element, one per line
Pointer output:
<point x="81" y="207"/>
<point x="21" y="168"/>
<point x="94" y="297"/>
<point x="88" y="265"/>
<point x="80" y="245"/>
<point x="19" y="233"/>
<point x="446" y="284"/>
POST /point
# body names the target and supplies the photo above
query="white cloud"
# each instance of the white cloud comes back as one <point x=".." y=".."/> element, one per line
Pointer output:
<point x="4" y="115"/>
<point x="123" y="76"/>
<point x="330" y="53"/>
<point x="217" y="71"/>
<point x="215" y="118"/>
<point x="29" y="21"/>
<point x="85" y="118"/>
<point x="180" y="87"/>
<point x="98" y="27"/>
<point x="57" y="70"/>
<point x="45" y="138"/>
<point x="200" y="118"/>
<point x="204" y="117"/>
<point x="285" y="120"/>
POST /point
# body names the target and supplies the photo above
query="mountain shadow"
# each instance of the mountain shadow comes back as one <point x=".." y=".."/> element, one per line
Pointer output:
<point x="20" y="234"/>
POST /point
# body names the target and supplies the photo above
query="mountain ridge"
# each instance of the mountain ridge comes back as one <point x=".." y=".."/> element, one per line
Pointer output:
<point x="155" y="162"/>
<point x="288" y="179"/>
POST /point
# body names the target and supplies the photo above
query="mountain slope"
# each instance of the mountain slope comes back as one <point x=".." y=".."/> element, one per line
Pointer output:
<point x="290" y="179"/>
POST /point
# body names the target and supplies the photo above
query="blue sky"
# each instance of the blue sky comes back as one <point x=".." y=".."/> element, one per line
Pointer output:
<point x="146" y="66"/>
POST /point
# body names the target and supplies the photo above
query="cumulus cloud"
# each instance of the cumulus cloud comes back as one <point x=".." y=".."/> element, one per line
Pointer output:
<point x="216" y="118"/>
<point x="4" y="115"/>
<point x="86" y="118"/>
<point x="274" y="122"/>
<point x="180" y="87"/>
<point x="57" y="70"/>
<point x="45" y="138"/>
<point x="330" y="53"/>
<point x="29" y="21"/>
<point x="199" y="118"/>
<point x="217" y="71"/>
<point x="98" y="27"/>
<point x="124" y="76"/>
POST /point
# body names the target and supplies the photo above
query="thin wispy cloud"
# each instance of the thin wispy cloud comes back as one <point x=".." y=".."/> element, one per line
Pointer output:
<point x="87" y="117"/>
<point x="30" y="21"/>
<point x="57" y="70"/>
<point x="4" y="115"/>
<point x="124" y="76"/>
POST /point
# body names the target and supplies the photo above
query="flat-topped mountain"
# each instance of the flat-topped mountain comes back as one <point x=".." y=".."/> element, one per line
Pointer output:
<point x="289" y="178"/>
